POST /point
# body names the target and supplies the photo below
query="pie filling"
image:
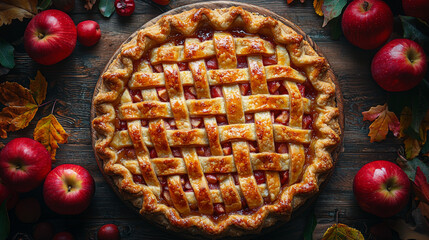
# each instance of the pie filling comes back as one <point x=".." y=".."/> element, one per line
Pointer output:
<point x="226" y="161"/>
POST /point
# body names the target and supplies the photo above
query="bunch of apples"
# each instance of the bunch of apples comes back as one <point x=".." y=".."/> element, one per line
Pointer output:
<point x="400" y="65"/>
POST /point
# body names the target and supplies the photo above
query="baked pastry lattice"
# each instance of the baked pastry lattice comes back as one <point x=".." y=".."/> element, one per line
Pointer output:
<point x="217" y="118"/>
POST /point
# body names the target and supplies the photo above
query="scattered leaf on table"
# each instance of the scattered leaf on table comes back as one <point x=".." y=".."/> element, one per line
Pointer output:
<point x="4" y="221"/>
<point x="107" y="7"/>
<point x="412" y="147"/>
<point x="332" y="9"/>
<point x="89" y="4"/>
<point x="38" y="87"/>
<point x="384" y="120"/>
<point x="341" y="231"/>
<point x="16" y="9"/>
<point x="44" y="4"/>
<point x="410" y="167"/>
<point x="412" y="30"/>
<point x="7" y="59"/>
<point x="317" y="4"/>
<point x="49" y="132"/>
<point x="20" y="107"/>
<point x="289" y="1"/>
<point x="421" y="186"/>
<point x="404" y="230"/>
<point x="309" y="227"/>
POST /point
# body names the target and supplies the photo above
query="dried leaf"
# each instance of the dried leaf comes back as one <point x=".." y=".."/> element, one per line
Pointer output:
<point x="20" y="107"/>
<point x="16" y="9"/>
<point x="404" y="230"/>
<point x="89" y="4"/>
<point x="412" y="148"/>
<point x="332" y="9"/>
<point x="317" y="4"/>
<point x="49" y="132"/>
<point x="341" y="231"/>
<point x="38" y="87"/>
<point x="410" y="167"/>
<point x="421" y="186"/>
<point x="384" y="120"/>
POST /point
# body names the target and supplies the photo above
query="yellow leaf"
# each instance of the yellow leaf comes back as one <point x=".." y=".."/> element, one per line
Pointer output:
<point x="38" y="87"/>
<point x="49" y="132"/>
<point x="89" y="4"/>
<point x="342" y="232"/>
<point x="20" y="107"/>
<point x="384" y="120"/>
<point x="412" y="148"/>
<point x="317" y="4"/>
<point x="16" y="9"/>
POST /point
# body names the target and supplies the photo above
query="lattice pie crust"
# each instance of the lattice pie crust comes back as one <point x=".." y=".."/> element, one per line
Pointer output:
<point x="233" y="206"/>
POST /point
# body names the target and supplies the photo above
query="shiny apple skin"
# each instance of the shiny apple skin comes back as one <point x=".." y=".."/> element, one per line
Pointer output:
<point x="24" y="163"/>
<point x="57" y="195"/>
<point x="108" y="232"/>
<point x="400" y="74"/>
<point x="416" y="8"/>
<point x="59" y="37"/>
<point x="88" y="33"/>
<point x="367" y="29"/>
<point x="370" y="188"/>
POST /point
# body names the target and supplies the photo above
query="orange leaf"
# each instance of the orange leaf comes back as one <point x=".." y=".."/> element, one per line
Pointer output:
<point x="16" y="9"/>
<point x="384" y="120"/>
<point x="289" y="1"/>
<point x="317" y="4"/>
<point x="342" y="231"/>
<point x="38" y="87"/>
<point x="89" y="4"/>
<point x="20" y="107"/>
<point x="49" y="132"/>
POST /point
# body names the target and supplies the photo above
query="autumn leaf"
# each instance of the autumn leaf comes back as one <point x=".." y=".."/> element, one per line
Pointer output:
<point x="332" y="9"/>
<point x="1" y="145"/>
<point x="38" y="87"/>
<point x="20" y="107"/>
<point x="412" y="147"/>
<point x="421" y="186"/>
<point x="89" y="4"/>
<point x="404" y="230"/>
<point x="49" y="132"/>
<point x="342" y="232"/>
<point x="16" y="9"/>
<point x="384" y="120"/>
<point x="317" y="4"/>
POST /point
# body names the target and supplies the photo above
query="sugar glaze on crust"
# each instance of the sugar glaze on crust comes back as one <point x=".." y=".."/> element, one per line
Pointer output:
<point x="302" y="55"/>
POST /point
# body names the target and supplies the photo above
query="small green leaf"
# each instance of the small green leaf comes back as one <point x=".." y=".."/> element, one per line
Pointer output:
<point x="416" y="31"/>
<point x="410" y="167"/>
<point x="44" y="4"/>
<point x="4" y="222"/>
<point x="107" y="7"/>
<point x="332" y="9"/>
<point x="309" y="227"/>
<point x="6" y="54"/>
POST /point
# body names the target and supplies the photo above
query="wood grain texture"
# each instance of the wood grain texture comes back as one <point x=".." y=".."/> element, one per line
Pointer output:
<point x="74" y="79"/>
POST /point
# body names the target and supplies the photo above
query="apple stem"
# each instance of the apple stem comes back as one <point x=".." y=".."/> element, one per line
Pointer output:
<point x="69" y="187"/>
<point x="40" y="35"/>
<point x="365" y="6"/>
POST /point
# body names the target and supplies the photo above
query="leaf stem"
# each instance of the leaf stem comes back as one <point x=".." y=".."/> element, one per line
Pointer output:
<point x="53" y="107"/>
<point x="46" y="103"/>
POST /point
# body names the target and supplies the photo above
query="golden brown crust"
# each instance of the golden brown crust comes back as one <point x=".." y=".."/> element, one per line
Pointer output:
<point x="326" y="123"/>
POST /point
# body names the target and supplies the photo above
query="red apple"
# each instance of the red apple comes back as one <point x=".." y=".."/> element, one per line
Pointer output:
<point x="108" y="232"/>
<point x="24" y="163"/>
<point x="367" y="23"/>
<point x="63" y="236"/>
<point x="28" y="210"/>
<point x="416" y="8"/>
<point x="406" y="65"/>
<point x="88" y="33"/>
<point x="68" y="189"/>
<point x="50" y="37"/>
<point x="381" y="188"/>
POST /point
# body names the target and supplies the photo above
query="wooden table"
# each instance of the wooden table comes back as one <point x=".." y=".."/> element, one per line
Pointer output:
<point x="73" y="80"/>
